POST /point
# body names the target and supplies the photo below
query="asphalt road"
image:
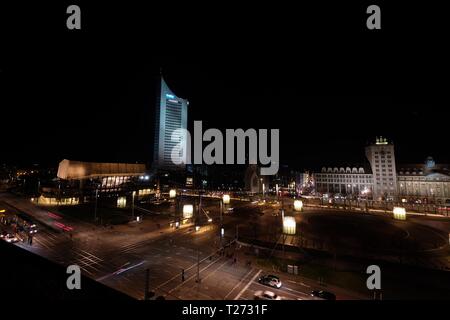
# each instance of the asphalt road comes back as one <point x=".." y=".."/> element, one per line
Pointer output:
<point x="119" y="257"/>
<point x="119" y="260"/>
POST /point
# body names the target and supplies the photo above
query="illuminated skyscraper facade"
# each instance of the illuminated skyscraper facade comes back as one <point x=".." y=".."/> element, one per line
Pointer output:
<point x="170" y="143"/>
<point x="382" y="160"/>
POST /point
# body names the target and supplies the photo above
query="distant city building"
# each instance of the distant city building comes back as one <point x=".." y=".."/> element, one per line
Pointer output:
<point x="171" y="114"/>
<point x="305" y="182"/>
<point x="381" y="157"/>
<point x="424" y="183"/>
<point x="427" y="180"/>
<point x="344" y="180"/>
<point x="253" y="181"/>
<point x="286" y="179"/>
<point x="106" y="177"/>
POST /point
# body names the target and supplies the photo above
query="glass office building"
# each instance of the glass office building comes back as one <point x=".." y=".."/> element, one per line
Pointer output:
<point x="170" y="144"/>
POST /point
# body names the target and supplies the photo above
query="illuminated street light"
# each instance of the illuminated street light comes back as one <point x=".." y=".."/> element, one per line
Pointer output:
<point x="222" y="232"/>
<point x="404" y="200"/>
<point x="197" y="228"/>
<point x="121" y="202"/>
<point x="226" y="199"/>
<point x="188" y="211"/>
<point x="399" y="213"/>
<point x="298" y="205"/>
<point x="132" y="204"/>
<point x="172" y="193"/>
<point x="289" y="225"/>
<point x="209" y="220"/>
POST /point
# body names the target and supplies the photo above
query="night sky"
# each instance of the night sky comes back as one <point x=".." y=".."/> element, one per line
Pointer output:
<point x="317" y="74"/>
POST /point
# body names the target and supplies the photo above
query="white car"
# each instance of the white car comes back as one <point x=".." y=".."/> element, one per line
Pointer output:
<point x="10" y="238"/>
<point x="266" y="295"/>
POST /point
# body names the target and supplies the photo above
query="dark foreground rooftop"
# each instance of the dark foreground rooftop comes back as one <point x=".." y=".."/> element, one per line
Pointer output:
<point x="28" y="276"/>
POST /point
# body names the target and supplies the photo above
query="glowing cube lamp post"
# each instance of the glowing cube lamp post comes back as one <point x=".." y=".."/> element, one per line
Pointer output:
<point x="399" y="213"/>
<point x="188" y="211"/>
<point x="121" y="202"/>
<point x="289" y="225"/>
<point x="298" y="205"/>
<point x="226" y="199"/>
<point x="172" y="193"/>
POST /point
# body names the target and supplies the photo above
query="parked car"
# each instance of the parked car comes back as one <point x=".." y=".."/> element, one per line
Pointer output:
<point x="266" y="295"/>
<point x="271" y="281"/>
<point x="325" y="295"/>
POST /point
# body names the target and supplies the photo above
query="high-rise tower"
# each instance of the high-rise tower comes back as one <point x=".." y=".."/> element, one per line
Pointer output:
<point x="169" y="144"/>
<point x="382" y="160"/>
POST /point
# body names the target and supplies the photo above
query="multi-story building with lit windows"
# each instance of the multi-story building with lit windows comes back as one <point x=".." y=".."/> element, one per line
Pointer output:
<point x="381" y="179"/>
<point x="426" y="181"/>
<point x="382" y="161"/>
<point x="170" y="143"/>
<point x="345" y="180"/>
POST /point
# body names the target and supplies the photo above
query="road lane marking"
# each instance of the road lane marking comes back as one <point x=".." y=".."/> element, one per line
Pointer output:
<point x="292" y="290"/>
<point x="300" y="283"/>
<point x="194" y="275"/>
<point x="206" y="277"/>
<point x="239" y="283"/>
<point x="248" y="285"/>
<point x="178" y="276"/>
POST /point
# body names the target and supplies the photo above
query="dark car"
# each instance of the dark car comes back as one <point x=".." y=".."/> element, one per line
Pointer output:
<point x="323" y="295"/>
<point x="270" y="280"/>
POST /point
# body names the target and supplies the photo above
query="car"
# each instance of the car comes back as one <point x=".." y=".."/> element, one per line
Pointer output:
<point x="11" y="238"/>
<point x="266" y="295"/>
<point x="325" y="295"/>
<point x="271" y="281"/>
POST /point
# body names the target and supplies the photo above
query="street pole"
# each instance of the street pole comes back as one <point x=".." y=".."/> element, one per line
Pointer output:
<point x="132" y="205"/>
<point x="221" y="221"/>
<point x="199" y="208"/>
<point x="95" y="211"/>
<point x="198" y="267"/>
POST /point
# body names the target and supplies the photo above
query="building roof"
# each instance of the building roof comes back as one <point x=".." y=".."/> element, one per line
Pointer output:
<point x="426" y="168"/>
<point x="73" y="170"/>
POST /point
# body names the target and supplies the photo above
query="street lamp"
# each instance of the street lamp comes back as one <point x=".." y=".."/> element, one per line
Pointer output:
<point x="298" y="205"/>
<point x="132" y="204"/>
<point x="264" y="190"/>
<point x="121" y="202"/>
<point x="289" y="225"/>
<point x="226" y="199"/>
<point x="188" y="211"/>
<point x="172" y="193"/>
<point x="399" y="213"/>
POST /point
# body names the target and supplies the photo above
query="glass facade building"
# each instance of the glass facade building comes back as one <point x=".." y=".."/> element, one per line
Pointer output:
<point x="170" y="143"/>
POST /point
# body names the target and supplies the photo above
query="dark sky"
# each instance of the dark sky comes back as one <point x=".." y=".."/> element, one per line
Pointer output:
<point x="314" y="72"/>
